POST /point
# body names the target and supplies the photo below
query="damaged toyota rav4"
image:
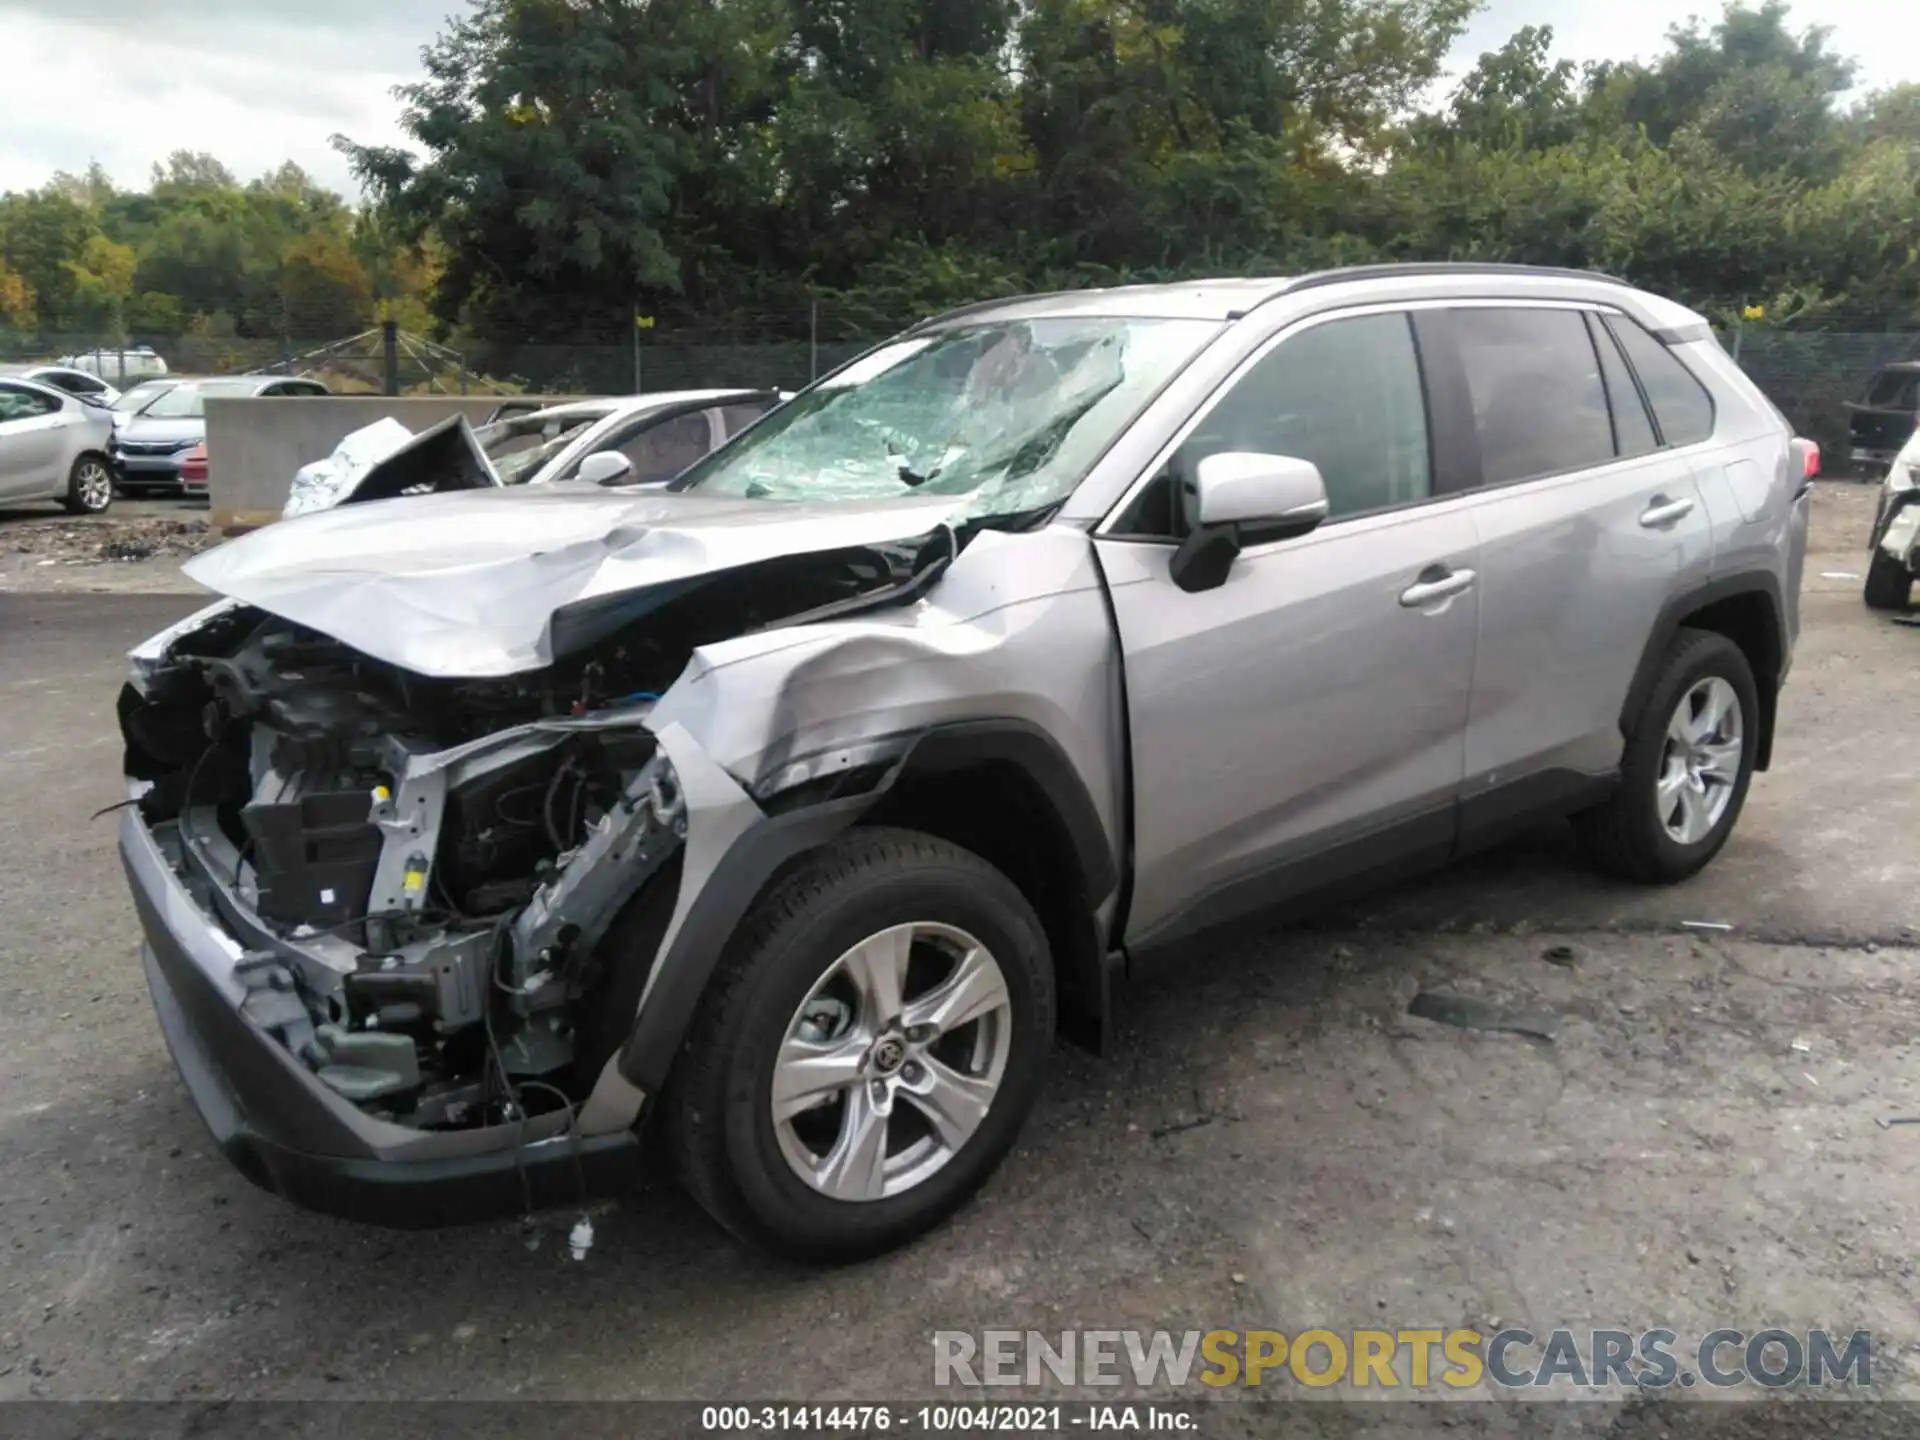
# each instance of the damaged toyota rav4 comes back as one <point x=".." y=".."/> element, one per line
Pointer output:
<point x="771" y="823"/>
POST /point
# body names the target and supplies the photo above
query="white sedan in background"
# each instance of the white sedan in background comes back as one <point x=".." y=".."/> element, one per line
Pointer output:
<point x="618" y="440"/>
<point x="657" y="435"/>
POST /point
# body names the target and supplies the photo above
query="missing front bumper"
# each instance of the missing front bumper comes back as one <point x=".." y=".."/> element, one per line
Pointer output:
<point x="290" y="1135"/>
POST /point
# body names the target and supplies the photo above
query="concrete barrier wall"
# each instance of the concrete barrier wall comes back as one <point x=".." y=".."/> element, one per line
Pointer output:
<point x="254" y="446"/>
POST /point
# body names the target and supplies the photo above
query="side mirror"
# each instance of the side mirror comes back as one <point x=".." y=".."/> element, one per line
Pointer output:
<point x="1277" y="495"/>
<point x="605" y="467"/>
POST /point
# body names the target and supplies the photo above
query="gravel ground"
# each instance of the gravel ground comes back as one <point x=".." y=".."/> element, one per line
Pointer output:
<point x="135" y="548"/>
<point x="1276" y="1143"/>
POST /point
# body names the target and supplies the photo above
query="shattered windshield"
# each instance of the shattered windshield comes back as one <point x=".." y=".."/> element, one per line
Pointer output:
<point x="521" y="444"/>
<point x="1010" y="413"/>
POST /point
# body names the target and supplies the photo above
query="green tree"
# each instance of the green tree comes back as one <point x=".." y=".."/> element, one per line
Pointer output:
<point x="1516" y="97"/>
<point x="16" y="299"/>
<point x="1748" y="87"/>
<point x="324" y="291"/>
<point x="41" y="235"/>
<point x="546" y="176"/>
<point x="102" y="284"/>
<point x="187" y="172"/>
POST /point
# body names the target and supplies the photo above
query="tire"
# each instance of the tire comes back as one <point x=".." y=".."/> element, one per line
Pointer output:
<point x="1629" y="835"/>
<point x="89" y="486"/>
<point x="744" y="1166"/>
<point x="1889" y="583"/>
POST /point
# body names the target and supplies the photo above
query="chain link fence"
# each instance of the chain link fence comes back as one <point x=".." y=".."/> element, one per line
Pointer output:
<point x="1809" y="374"/>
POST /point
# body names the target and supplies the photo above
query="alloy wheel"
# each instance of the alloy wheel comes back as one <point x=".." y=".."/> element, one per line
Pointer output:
<point x="93" y="486"/>
<point x="890" y="1064"/>
<point x="1700" y="764"/>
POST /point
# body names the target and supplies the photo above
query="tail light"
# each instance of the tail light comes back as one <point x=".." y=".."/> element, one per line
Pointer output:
<point x="1810" y="469"/>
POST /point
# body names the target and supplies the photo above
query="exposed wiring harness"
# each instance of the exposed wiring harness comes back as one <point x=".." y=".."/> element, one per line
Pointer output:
<point x="581" y="1237"/>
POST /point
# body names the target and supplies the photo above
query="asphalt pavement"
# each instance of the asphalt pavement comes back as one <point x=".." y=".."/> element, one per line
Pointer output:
<point x="1275" y="1142"/>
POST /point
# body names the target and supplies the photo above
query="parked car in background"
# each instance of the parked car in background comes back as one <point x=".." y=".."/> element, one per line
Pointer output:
<point x="1893" y="556"/>
<point x="53" y="446"/>
<point x="149" y="444"/>
<point x="61" y="377"/>
<point x="657" y="435"/>
<point x="1883" y="420"/>
<point x="193" y="472"/>
<point x="782" y="814"/>
<point x="138" y="397"/>
<point x="122" y="367"/>
<point x="632" y="440"/>
<point x="519" y="405"/>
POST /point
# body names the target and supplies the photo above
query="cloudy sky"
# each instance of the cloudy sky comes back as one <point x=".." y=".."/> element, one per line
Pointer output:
<point x="260" y="81"/>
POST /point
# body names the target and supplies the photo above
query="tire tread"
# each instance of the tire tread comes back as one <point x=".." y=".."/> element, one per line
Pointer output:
<point x="695" y="1097"/>
<point x="1612" y="833"/>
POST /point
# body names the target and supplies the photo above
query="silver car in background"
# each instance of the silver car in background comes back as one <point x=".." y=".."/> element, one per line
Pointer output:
<point x="149" y="444"/>
<point x="632" y="439"/>
<point x="75" y="382"/>
<point x="53" y="446"/>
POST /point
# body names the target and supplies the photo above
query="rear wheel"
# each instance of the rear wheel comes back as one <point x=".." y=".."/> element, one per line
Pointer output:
<point x="89" y="486"/>
<point x="867" y="1051"/>
<point x="1686" y="767"/>
<point x="1889" y="583"/>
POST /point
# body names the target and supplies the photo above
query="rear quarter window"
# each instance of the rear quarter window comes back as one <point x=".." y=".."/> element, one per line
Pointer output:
<point x="1682" y="406"/>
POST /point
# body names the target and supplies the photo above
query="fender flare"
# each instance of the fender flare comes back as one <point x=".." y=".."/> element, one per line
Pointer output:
<point x="777" y="839"/>
<point x="1675" y="614"/>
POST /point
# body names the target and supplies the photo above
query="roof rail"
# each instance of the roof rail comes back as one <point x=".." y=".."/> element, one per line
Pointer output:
<point x="1418" y="268"/>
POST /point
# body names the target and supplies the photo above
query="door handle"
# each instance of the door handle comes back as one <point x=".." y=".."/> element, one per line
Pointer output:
<point x="1436" y="583"/>
<point x="1662" y="511"/>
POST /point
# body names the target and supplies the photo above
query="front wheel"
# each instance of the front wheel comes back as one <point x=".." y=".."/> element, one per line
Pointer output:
<point x="867" y="1051"/>
<point x="89" y="486"/>
<point x="1685" y="770"/>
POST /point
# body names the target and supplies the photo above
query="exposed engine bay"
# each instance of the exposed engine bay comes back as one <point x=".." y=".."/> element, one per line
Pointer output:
<point x="419" y="872"/>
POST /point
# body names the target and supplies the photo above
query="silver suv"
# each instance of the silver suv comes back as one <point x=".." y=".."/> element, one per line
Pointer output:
<point x="793" y="806"/>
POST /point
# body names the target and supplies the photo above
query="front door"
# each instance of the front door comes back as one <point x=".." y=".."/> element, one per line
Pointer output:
<point x="31" y="443"/>
<point x="1304" y="720"/>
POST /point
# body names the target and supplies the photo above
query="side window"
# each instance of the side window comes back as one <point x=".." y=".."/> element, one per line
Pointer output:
<point x="1632" y="430"/>
<point x="1891" y="390"/>
<point x="1539" y="405"/>
<point x="662" y="451"/>
<point x="1345" y="395"/>
<point x="1682" y="406"/>
<point x="735" y="418"/>
<point x="17" y="404"/>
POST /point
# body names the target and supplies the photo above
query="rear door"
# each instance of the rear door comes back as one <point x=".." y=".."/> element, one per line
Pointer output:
<point x="33" y="432"/>
<point x="1586" y="524"/>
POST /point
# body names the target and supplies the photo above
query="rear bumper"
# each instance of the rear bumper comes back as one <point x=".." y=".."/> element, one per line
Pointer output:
<point x="290" y="1135"/>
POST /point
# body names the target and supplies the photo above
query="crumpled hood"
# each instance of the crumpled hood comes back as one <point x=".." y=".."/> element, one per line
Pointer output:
<point x="468" y="584"/>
